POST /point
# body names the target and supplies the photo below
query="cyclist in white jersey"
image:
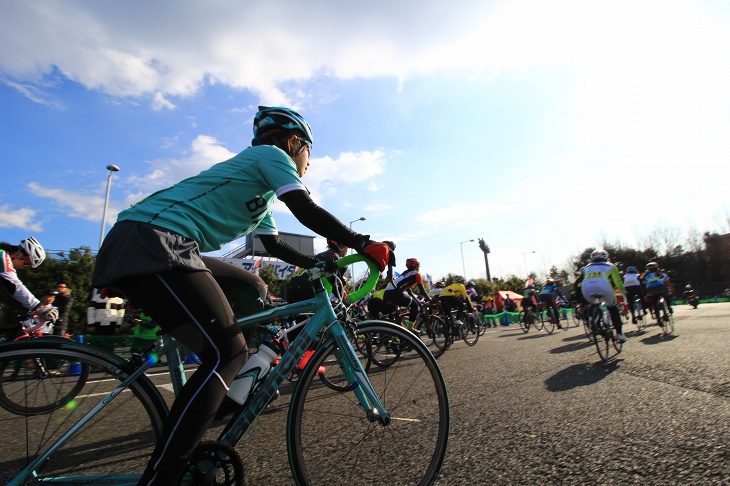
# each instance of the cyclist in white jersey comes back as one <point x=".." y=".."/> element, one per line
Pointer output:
<point x="153" y="255"/>
<point x="29" y="253"/>
<point x="634" y="291"/>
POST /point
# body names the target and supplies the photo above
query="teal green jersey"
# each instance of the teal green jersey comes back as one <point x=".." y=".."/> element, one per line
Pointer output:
<point x="225" y="202"/>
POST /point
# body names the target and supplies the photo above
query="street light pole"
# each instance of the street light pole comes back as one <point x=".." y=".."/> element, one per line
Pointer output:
<point x="485" y="249"/>
<point x="462" y="255"/>
<point x="111" y="168"/>
<point x="525" y="260"/>
<point x="352" y="266"/>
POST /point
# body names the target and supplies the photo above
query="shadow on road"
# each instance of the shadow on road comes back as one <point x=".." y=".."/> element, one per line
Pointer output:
<point x="584" y="343"/>
<point x="580" y="375"/>
<point x="579" y="337"/>
<point x="657" y="338"/>
<point x="533" y="336"/>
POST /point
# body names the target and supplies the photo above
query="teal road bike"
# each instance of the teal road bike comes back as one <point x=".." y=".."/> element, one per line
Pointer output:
<point x="386" y="426"/>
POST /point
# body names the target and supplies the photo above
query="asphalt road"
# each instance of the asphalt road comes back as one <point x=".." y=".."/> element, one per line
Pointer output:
<point x="532" y="409"/>
<point x="543" y="409"/>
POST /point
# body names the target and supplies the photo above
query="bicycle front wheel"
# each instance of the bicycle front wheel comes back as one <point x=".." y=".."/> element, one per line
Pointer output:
<point x="118" y="439"/>
<point x="331" y="440"/>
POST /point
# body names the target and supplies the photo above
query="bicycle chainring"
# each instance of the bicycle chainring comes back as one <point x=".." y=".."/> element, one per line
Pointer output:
<point x="215" y="464"/>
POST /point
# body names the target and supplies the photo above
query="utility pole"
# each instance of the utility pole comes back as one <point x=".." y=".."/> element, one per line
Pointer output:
<point x="485" y="248"/>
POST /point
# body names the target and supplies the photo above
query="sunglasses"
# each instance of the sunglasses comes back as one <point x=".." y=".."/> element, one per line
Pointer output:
<point x="305" y="144"/>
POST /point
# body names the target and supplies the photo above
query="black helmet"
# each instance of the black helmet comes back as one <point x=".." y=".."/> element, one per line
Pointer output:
<point x="333" y="245"/>
<point x="48" y="292"/>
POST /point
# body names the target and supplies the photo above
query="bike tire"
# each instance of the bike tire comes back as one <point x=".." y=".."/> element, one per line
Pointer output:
<point x="523" y="323"/>
<point x="482" y="323"/>
<point x="539" y="321"/>
<point x="385" y="350"/>
<point x="330" y="440"/>
<point x="470" y="333"/>
<point x="435" y="329"/>
<point x="668" y="324"/>
<point x="587" y="326"/>
<point x="639" y="313"/>
<point x="55" y="386"/>
<point x="601" y="336"/>
<point x="549" y="323"/>
<point x="575" y="317"/>
<point x="118" y="439"/>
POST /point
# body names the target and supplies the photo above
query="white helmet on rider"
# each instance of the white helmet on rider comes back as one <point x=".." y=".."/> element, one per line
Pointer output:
<point x="599" y="255"/>
<point x="34" y="250"/>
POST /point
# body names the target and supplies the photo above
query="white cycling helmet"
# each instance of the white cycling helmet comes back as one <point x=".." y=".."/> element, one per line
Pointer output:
<point x="34" y="250"/>
<point x="599" y="255"/>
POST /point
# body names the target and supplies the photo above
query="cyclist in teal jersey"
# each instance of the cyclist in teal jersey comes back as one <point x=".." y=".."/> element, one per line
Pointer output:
<point x="153" y="255"/>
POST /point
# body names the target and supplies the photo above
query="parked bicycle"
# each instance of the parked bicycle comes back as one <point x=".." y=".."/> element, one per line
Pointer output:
<point x="121" y="412"/>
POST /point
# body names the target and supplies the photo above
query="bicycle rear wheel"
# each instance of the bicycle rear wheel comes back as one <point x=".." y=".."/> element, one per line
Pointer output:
<point x="470" y="329"/>
<point x="331" y="440"/>
<point x="549" y="323"/>
<point x="39" y="385"/>
<point x="482" y="323"/>
<point x="602" y="337"/>
<point x="384" y="349"/>
<point x="639" y="314"/>
<point x="117" y="440"/>
<point x="432" y="331"/>
<point x="539" y="321"/>
<point x="587" y="319"/>
<point x="524" y="325"/>
<point x="667" y="321"/>
<point x="575" y="316"/>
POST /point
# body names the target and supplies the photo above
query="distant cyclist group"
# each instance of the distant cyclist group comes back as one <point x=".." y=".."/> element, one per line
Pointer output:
<point x="650" y="290"/>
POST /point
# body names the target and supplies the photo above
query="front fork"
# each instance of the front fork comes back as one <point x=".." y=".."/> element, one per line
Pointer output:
<point x="356" y="376"/>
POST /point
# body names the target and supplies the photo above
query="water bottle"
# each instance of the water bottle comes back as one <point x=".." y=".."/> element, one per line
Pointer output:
<point x="253" y="372"/>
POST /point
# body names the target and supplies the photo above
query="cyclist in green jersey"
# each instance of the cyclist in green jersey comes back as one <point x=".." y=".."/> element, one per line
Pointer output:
<point x="153" y="255"/>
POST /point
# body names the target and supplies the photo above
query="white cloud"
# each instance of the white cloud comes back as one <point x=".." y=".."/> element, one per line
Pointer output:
<point x="327" y="175"/>
<point x="23" y="218"/>
<point x="79" y="204"/>
<point x="205" y="151"/>
<point x="160" y="103"/>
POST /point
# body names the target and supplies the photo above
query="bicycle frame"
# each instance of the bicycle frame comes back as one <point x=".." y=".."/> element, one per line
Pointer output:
<point x="323" y="318"/>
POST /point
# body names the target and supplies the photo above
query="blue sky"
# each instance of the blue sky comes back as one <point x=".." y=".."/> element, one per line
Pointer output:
<point x="538" y="126"/>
